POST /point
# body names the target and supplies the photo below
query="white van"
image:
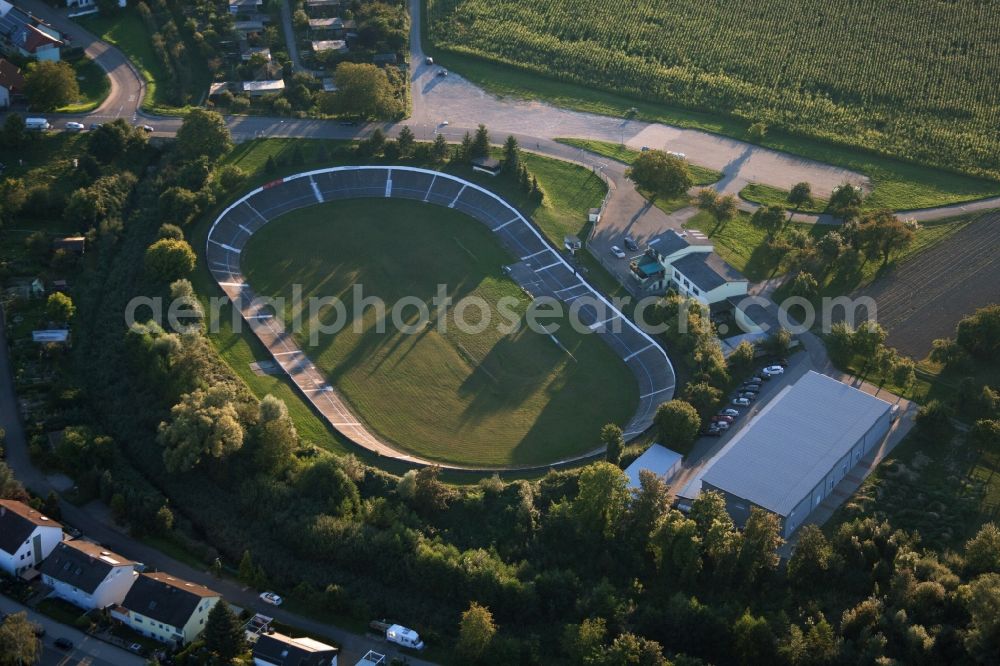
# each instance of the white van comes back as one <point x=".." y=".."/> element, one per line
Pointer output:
<point x="37" y="124"/>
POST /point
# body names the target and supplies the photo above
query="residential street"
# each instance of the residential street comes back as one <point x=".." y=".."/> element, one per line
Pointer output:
<point x="86" y="649"/>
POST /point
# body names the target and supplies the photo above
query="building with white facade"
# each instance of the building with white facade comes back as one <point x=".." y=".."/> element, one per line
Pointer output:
<point x="688" y="264"/>
<point x="26" y="537"/>
<point x="165" y="608"/>
<point x="87" y="575"/>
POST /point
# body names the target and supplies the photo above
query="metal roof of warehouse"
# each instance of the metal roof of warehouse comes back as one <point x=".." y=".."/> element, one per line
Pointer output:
<point x="780" y="456"/>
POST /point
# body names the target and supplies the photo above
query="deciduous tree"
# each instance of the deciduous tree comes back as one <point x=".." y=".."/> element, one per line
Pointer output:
<point x="602" y="499"/>
<point x="660" y="174"/>
<point x="800" y="195"/>
<point x="845" y="201"/>
<point x="475" y="632"/>
<point x="678" y="424"/>
<point x="18" y="644"/>
<point x="169" y="259"/>
<point x="59" y="308"/>
<point x="50" y="84"/>
<point x="203" y="424"/>
<point x="769" y="218"/>
<point x="203" y="132"/>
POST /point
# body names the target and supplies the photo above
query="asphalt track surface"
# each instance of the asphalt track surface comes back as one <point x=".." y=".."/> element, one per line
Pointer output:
<point x="540" y="269"/>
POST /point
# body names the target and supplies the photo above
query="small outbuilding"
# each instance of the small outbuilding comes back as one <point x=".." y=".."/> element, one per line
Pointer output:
<point x="74" y="244"/>
<point x="488" y="165"/>
<point x="657" y="459"/>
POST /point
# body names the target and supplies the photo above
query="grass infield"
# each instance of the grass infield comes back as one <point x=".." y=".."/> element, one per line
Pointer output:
<point x="472" y="398"/>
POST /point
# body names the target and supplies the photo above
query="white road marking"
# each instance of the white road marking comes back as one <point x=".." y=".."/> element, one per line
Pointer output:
<point x="596" y="326"/>
<point x="643" y="397"/>
<point x="223" y="245"/>
<point x="535" y="254"/>
<point x="516" y="219"/>
<point x="634" y="354"/>
<point x="455" y="200"/>
<point x="545" y="268"/>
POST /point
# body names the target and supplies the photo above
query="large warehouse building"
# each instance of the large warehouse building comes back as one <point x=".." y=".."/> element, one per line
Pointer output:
<point x="793" y="454"/>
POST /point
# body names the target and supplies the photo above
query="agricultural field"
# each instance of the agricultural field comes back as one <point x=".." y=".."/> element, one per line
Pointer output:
<point x="489" y="397"/>
<point x="920" y="301"/>
<point x="912" y="80"/>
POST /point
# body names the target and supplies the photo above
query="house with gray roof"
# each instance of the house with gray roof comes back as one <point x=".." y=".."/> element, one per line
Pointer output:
<point x="165" y="608"/>
<point x="26" y="537"/>
<point x="686" y="261"/>
<point x="87" y="575"/>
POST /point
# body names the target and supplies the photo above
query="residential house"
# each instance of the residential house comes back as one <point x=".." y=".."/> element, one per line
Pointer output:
<point x="87" y="575"/>
<point x="23" y="34"/>
<point x="261" y="88"/>
<point x="687" y="263"/>
<point x="247" y="52"/>
<point x="11" y="82"/>
<point x="338" y="45"/>
<point x="165" y="608"/>
<point x="249" y="28"/>
<point x="280" y="650"/>
<point x="245" y="6"/>
<point x="26" y="537"/>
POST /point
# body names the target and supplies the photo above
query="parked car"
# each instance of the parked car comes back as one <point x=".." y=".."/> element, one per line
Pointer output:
<point x="750" y="388"/>
<point x="444" y="123"/>
<point x="617" y="251"/>
<point x="722" y="418"/>
<point x="271" y="598"/>
<point x="442" y="72"/>
<point x="720" y="425"/>
<point x="147" y="129"/>
<point x="631" y="244"/>
<point x="712" y="432"/>
<point x="94" y="126"/>
<point x="741" y="402"/>
<point x="748" y="396"/>
<point x="729" y="411"/>
<point x="429" y="60"/>
<point x="75" y="126"/>
<point x="753" y="380"/>
<point x="773" y="370"/>
<point x="64" y="644"/>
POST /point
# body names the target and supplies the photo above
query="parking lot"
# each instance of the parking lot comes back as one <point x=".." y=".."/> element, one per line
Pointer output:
<point x="686" y="484"/>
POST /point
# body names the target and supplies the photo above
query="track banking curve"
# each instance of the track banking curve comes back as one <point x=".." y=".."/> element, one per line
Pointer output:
<point x="538" y="267"/>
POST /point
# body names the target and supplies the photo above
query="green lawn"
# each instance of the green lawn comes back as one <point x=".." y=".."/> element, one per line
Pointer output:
<point x="897" y="185"/>
<point x="622" y="153"/>
<point x="476" y="398"/>
<point x="765" y="195"/>
<point x="94" y="86"/>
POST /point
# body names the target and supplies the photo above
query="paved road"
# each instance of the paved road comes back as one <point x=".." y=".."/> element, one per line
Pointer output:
<point x="127" y="86"/>
<point x="86" y="649"/>
<point x="94" y="525"/>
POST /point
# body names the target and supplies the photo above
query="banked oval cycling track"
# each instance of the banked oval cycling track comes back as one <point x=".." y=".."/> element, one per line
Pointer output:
<point x="541" y="271"/>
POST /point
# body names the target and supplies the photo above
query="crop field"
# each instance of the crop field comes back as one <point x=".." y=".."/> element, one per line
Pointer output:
<point x="474" y="397"/>
<point x="924" y="299"/>
<point x="916" y="80"/>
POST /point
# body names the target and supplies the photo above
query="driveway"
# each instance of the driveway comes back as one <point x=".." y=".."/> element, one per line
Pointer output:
<point x="86" y="649"/>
